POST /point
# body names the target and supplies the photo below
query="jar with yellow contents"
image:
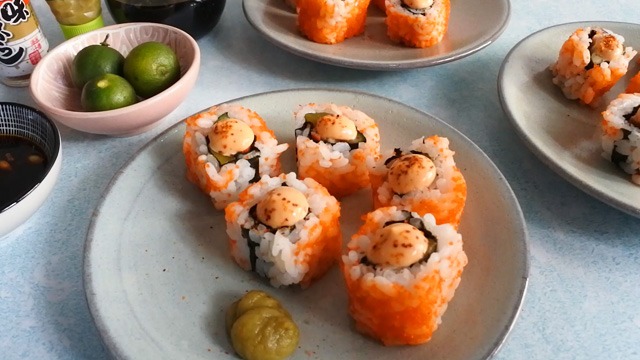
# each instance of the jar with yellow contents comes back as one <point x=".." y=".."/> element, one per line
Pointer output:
<point x="76" y="17"/>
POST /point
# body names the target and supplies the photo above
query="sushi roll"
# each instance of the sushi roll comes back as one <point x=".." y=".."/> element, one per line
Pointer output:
<point x="226" y="148"/>
<point x="331" y="21"/>
<point x="401" y="270"/>
<point x="423" y="178"/>
<point x="285" y="229"/>
<point x="590" y="62"/>
<point x="417" y="23"/>
<point x="621" y="134"/>
<point x="634" y="84"/>
<point x="334" y="144"/>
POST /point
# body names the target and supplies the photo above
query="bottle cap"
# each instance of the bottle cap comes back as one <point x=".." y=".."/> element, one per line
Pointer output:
<point x="70" y="31"/>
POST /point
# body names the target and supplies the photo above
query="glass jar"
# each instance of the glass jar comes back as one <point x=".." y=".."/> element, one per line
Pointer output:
<point x="76" y="17"/>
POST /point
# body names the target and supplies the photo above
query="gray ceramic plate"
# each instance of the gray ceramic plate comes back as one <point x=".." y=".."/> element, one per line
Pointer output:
<point x="159" y="277"/>
<point x="473" y="25"/>
<point x="563" y="133"/>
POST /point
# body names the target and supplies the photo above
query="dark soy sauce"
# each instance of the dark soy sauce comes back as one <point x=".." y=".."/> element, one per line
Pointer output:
<point x="22" y="165"/>
<point x="196" y="17"/>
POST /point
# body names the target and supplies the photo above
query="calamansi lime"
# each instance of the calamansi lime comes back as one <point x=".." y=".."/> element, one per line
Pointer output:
<point x="151" y="67"/>
<point x="95" y="60"/>
<point x="107" y="92"/>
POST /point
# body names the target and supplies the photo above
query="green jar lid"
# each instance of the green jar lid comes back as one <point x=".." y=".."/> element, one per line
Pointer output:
<point x="70" y="31"/>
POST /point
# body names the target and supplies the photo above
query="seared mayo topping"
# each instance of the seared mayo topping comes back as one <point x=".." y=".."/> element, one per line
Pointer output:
<point x="411" y="172"/>
<point x="230" y="137"/>
<point x="282" y="206"/>
<point x="605" y="47"/>
<point x="336" y="127"/>
<point x="397" y="245"/>
<point x="418" y="4"/>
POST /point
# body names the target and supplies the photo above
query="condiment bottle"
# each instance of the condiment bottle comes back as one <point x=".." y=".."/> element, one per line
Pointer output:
<point x="22" y="42"/>
<point x="76" y="17"/>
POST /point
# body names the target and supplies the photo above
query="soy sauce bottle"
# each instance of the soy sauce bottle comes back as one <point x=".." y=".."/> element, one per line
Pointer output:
<point x="22" y="42"/>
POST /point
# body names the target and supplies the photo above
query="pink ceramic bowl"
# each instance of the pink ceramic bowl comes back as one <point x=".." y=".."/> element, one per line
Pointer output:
<point x="54" y="93"/>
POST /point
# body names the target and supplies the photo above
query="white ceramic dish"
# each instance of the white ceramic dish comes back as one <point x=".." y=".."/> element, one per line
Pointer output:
<point x="158" y="275"/>
<point x="563" y="133"/>
<point x="473" y="25"/>
<point x="24" y="121"/>
<point x="19" y="213"/>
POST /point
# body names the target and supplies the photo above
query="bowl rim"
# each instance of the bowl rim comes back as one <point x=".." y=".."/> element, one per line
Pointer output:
<point x="56" y="149"/>
<point x="35" y="75"/>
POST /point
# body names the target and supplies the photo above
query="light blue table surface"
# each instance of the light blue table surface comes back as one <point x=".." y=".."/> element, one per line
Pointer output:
<point x="583" y="300"/>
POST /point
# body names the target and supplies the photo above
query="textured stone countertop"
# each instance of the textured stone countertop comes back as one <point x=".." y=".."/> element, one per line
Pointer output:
<point x="582" y="296"/>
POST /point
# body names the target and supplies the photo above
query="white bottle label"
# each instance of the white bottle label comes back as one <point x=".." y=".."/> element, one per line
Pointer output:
<point x="22" y="43"/>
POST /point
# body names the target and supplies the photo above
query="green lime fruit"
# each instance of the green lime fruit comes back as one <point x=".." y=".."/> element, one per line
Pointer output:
<point x="95" y="60"/>
<point x="151" y="67"/>
<point x="107" y="92"/>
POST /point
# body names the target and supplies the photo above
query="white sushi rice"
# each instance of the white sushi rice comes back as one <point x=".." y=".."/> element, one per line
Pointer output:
<point x="427" y="12"/>
<point x="241" y="171"/>
<point x="442" y="158"/>
<point x="426" y="27"/>
<point x="628" y="146"/>
<point x="276" y="251"/>
<point x="335" y="156"/>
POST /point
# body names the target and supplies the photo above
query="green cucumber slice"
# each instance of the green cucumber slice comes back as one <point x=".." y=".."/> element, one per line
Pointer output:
<point x="314" y="117"/>
<point x="222" y="159"/>
<point x="224" y="116"/>
<point x="359" y="138"/>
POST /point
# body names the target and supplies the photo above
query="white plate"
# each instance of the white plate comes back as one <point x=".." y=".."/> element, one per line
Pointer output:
<point x="158" y="274"/>
<point x="473" y="25"/>
<point x="563" y="133"/>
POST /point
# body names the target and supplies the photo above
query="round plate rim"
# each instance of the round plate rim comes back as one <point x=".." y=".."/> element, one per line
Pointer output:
<point x="384" y="65"/>
<point x="117" y="352"/>
<point x="555" y="166"/>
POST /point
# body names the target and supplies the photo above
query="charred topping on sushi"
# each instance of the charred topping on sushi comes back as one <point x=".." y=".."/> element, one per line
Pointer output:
<point x="331" y="128"/>
<point x="282" y="207"/>
<point x="604" y="48"/>
<point x="229" y="137"/>
<point x="400" y="245"/>
<point x="334" y="128"/>
<point x="411" y="172"/>
<point x="417" y="7"/>
<point x="230" y="140"/>
<point x="417" y="222"/>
